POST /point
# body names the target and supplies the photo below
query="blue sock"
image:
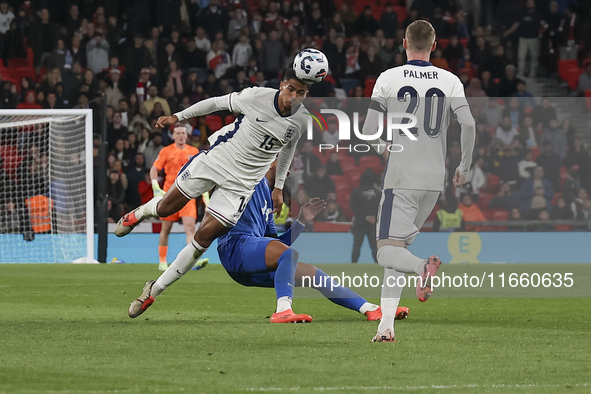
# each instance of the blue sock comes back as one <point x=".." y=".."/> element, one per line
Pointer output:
<point x="285" y="274"/>
<point x="342" y="296"/>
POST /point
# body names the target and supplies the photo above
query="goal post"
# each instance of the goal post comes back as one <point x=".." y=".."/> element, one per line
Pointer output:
<point x="46" y="182"/>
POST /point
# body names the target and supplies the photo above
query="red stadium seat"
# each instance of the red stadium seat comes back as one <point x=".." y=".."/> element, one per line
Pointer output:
<point x="372" y="162"/>
<point x="401" y="12"/>
<point x="563" y="227"/>
<point x="572" y="77"/>
<point x="564" y="66"/>
<point x="354" y="180"/>
<point x="443" y="42"/>
<point x="493" y="184"/>
<point x="229" y="119"/>
<point x="484" y="199"/>
<point x="341" y="180"/>
<point x="346" y="161"/>
<point x="588" y="98"/>
<point x="18" y="62"/>
<point x="464" y="42"/>
<point x="214" y="122"/>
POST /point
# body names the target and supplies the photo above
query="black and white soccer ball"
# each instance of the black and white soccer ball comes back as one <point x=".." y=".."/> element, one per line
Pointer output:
<point x="310" y="65"/>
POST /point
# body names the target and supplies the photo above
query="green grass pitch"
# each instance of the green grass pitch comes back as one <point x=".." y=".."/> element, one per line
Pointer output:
<point x="64" y="329"/>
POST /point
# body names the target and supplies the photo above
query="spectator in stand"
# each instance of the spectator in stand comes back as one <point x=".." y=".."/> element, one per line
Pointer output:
<point x="218" y="59"/>
<point x="527" y="165"/>
<point x="153" y="149"/>
<point x="8" y="98"/>
<point x="544" y="221"/>
<point x="202" y="41"/>
<point x="575" y="155"/>
<point x="331" y="136"/>
<point x="14" y="46"/>
<point x="272" y="57"/>
<point x="116" y="193"/>
<point x="571" y="185"/>
<point x="527" y="132"/>
<point x="213" y="18"/>
<point x="333" y="165"/>
<point x="29" y="102"/>
<point x="550" y="162"/>
<point x="154" y="98"/>
<point x="438" y="60"/>
<point x="492" y="113"/>
<point x="449" y="217"/>
<point x="505" y="198"/>
<point x="332" y="212"/>
<point x="498" y="63"/>
<point x="506" y="132"/>
<point x="543" y="113"/>
<point x="530" y="23"/>
<point x="453" y="158"/>
<point x="389" y="21"/>
<point x="580" y="205"/>
<point x="476" y="95"/>
<point x="490" y="86"/>
<point x="562" y="211"/>
<point x="508" y="84"/>
<point x="366" y="24"/>
<point x="97" y="53"/>
<point x="135" y="173"/>
<point x="536" y="192"/>
<point x="242" y="52"/>
<point x="6" y="18"/>
<point x="506" y="165"/>
<point x="556" y="137"/>
<point x="514" y="111"/>
<point x="585" y="79"/>
<point x="572" y="33"/>
<point x="453" y="53"/>
<point x="470" y="212"/>
<point x="114" y="92"/>
<point x="364" y="204"/>
<point x="319" y="184"/>
<point x="43" y="36"/>
<point x="526" y="99"/>
<point x="481" y="55"/>
<point x="371" y="64"/>
<point x="310" y="161"/>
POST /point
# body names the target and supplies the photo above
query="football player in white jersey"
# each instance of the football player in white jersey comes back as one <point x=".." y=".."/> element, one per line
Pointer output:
<point x="270" y="123"/>
<point x="415" y="176"/>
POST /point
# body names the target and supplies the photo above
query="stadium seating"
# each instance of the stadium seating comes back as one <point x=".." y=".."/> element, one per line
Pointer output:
<point x="564" y="66"/>
<point x="373" y="162"/>
<point x="214" y="122"/>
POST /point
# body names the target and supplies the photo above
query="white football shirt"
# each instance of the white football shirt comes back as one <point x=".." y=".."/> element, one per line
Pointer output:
<point x="245" y="149"/>
<point x="432" y="95"/>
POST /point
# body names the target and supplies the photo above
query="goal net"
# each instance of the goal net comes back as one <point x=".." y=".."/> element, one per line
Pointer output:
<point x="46" y="189"/>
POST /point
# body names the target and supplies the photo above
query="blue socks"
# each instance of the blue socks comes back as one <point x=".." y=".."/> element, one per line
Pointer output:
<point x="342" y="296"/>
<point x="285" y="273"/>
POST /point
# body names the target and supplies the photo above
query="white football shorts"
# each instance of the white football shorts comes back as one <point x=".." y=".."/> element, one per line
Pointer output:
<point x="402" y="212"/>
<point x="226" y="205"/>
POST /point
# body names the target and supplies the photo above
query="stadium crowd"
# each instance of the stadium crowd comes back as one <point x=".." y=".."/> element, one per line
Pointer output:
<point x="153" y="58"/>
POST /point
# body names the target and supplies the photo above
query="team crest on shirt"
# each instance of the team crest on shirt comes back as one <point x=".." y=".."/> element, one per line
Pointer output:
<point x="290" y="132"/>
<point x="185" y="175"/>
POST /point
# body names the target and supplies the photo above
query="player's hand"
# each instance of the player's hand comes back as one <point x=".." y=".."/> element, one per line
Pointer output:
<point x="277" y="197"/>
<point x="158" y="192"/>
<point x="164" y="121"/>
<point x="311" y="209"/>
<point x="459" y="179"/>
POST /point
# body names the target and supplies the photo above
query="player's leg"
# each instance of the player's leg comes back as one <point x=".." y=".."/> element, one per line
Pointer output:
<point x="171" y="203"/>
<point x="222" y="213"/>
<point x="311" y="276"/>
<point x="358" y="235"/>
<point x="163" y="244"/>
<point x="389" y="300"/>
<point x="189" y="218"/>
<point x="189" y="226"/>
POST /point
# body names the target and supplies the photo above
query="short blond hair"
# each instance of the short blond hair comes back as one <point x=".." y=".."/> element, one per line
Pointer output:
<point x="420" y="36"/>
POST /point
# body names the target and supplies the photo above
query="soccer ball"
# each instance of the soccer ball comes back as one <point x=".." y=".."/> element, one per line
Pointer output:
<point x="310" y="65"/>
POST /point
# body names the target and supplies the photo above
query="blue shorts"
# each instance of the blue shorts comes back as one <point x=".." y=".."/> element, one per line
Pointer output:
<point x="243" y="257"/>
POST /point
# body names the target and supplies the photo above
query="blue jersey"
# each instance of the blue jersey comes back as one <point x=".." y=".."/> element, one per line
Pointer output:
<point x="257" y="219"/>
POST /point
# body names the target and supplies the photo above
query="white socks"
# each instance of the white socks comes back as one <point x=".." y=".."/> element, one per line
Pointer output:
<point x="148" y="209"/>
<point x="400" y="259"/>
<point x="283" y="304"/>
<point x="390" y="299"/>
<point x="183" y="263"/>
<point x="368" y="307"/>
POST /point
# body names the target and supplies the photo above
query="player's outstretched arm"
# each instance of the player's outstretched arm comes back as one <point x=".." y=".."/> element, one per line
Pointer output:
<point x="468" y="125"/>
<point x="203" y="107"/>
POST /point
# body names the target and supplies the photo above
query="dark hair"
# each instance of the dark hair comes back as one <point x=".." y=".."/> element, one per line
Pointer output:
<point x="290" y="74"/>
